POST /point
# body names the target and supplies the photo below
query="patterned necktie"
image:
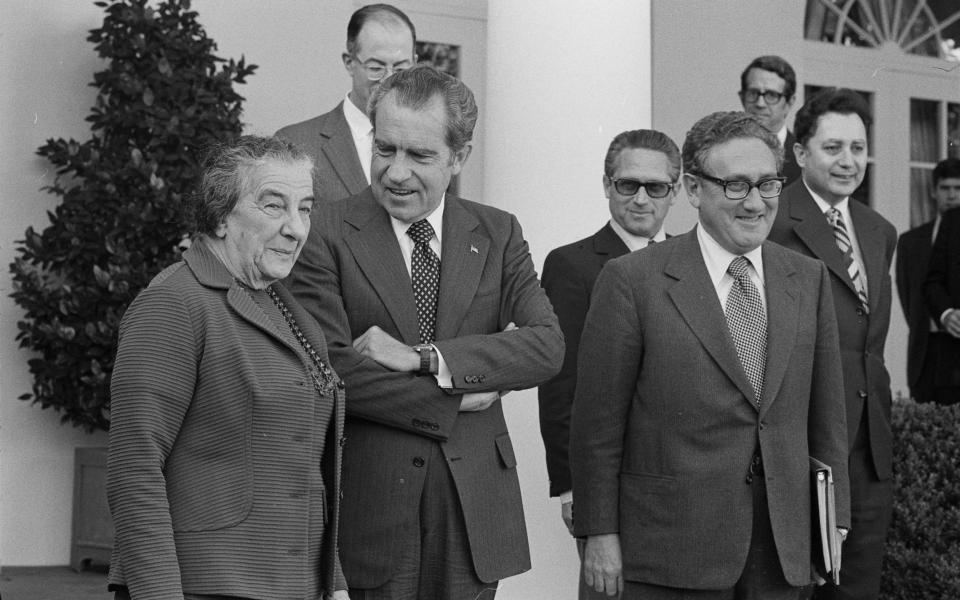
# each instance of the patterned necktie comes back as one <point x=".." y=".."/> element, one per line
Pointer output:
<point x="747" y="323"/>
<point x="425" y="276"/>
<point x="843" y="242"/>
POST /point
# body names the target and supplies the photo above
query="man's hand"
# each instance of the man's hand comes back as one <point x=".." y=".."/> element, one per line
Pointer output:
<point x="476" y="401"/>
<point x="386" y="350"/>
<point x="341" y="595"/>
<point x="602" y="567"/>
<point x="952" y="322"/>
<point x="566" y="513"/>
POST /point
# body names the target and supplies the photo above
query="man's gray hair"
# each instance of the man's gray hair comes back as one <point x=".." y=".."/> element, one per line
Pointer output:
<point x="721" y="127"/>
<point x="415" y="88"/>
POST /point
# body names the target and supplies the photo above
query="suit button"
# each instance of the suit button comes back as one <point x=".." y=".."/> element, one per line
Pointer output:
<point x="860" y="312"/>
<point x="343" y="441"/>
<point x="862" y="394"/>
<point x="434" y="426"/>
<point x="480" y="378"/>
<point x="417" y="423"/>
<point x="418" y="461"/>
<point x="340" y="384"/>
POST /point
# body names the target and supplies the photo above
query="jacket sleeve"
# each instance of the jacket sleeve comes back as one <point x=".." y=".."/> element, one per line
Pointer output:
<point x="518" y="359"/>
<point x="936" y="289"/>
<point x="151" y="389"/>
<point x="611" y="351"/>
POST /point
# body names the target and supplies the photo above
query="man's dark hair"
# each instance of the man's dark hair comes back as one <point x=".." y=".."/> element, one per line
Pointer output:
<point x="647" y="139"/>
<point x="946" y="169"/>
<point x="836" y="100"/>
<point x="415" y="88"/>
<point x="774" y="64"/>
<point x="374" y="11"/>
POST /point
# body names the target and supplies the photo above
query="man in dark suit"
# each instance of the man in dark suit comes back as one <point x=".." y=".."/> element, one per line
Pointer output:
<point x="928" y="358"/>
<point x="708" y="374"/>
<point x="767" y="90"/>
<point x="380" y="40"/>
<point x="942" y="292"/>
<point x="641" y="169"/>
<point x="818" y="218"/>
<point x="430" y="304"/>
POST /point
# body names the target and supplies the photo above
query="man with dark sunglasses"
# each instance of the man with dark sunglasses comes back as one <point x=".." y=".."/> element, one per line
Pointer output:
<point x="641" y="169"/>
<point x="767" y="90"/>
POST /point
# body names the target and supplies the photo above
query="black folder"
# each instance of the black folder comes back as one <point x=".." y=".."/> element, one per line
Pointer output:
<point x="826" y="538"/>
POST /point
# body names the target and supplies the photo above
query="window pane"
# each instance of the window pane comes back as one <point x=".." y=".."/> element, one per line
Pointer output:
<point x="953" y="130"/>
<point x="924" y="138"/>
<point x="921" y="200"/>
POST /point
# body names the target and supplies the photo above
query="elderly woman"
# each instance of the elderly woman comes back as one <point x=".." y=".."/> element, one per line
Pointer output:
<point x="227" y="421"/>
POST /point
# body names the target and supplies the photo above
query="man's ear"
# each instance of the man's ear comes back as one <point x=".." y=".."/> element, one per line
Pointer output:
<point x="347" y="59"/>
<point x="800" y="152"/>
<point x="460" y="158"/>
<point x="691" y="183"/>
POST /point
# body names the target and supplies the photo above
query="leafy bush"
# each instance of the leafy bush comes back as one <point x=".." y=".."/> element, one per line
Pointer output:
<point x="922" y="560"/>
<point x="163" y="96"/>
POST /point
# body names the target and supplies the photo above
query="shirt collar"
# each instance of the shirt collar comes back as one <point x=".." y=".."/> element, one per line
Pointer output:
<point x="843" y="206"/>
<point x="435" y="219"/>
<point x="358" y="121"/>
<point x="782" y="134"/>
<point x="635" y="242"/>
<point x="718" y="258"/>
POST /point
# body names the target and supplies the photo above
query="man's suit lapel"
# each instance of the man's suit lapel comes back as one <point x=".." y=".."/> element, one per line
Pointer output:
<point x="813" y="230"/>
<point x="375" y="248"/>
<point x="607" y="244"/>
<point x="463" y="256"/>
<point x="696" y="299"/>
<point x="866" y="228"/>
<point x="781" y="294"/>
<point x="337" y="145"/>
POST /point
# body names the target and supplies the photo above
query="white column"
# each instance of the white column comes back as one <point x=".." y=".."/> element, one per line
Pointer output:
<point x="563" y="78"/>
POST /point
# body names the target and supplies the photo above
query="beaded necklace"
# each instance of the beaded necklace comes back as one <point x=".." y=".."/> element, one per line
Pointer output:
<point x="323" y="378"/>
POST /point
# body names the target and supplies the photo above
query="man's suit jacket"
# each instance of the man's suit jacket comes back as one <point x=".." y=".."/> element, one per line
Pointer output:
<point x="327" y="138"/>
<point x="352" y="276"/>
<point x="790" y="170"/>
<point x="568" y="276"/>
<point x="913" y="259"/>
<point x="801" y="226"/>
<point x="942" y="287"/>
<point x="665" y="421"/>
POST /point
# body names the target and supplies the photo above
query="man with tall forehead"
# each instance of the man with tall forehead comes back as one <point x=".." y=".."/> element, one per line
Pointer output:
<point x="708" y="374"/>
<point x="817" y="218"/>
<point x="380" y="41"/>
<point x="933" y="355"/>
<point x="767" y="90"/>
<point x="640" y="175"/>
<point x="431" y="307"/>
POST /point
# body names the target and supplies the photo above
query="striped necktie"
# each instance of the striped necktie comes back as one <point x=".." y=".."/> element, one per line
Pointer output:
<point x="842" y="238"/>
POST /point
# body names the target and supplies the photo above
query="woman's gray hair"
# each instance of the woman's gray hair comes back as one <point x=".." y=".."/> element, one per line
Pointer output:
<point x="415" y="88"/>
<point x="225" y="176"/>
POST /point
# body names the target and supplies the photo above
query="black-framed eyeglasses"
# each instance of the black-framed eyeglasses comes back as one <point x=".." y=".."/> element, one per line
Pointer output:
<point x="627" y="186"/>
<point x="738" y="190"/>
<point x="769" y="96"/>
<point x="376" y="71"/>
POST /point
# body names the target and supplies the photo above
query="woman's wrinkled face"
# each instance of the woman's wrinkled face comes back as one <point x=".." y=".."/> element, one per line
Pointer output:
<point x="263" y="235"/>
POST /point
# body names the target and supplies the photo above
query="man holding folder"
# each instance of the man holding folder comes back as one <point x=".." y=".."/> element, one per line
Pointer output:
<point x="708" y="374"/>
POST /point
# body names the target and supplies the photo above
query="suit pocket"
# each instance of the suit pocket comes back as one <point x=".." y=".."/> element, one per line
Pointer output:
<point x="505" y="449"/>
<point x="648" y="483"/>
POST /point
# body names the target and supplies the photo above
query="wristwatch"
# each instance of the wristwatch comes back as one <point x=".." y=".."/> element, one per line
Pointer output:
<point x="426" y="352"/>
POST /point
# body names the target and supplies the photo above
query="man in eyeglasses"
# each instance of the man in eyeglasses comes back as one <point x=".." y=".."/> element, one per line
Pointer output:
<point x="767" y="90"/>
<point x="708" y="374"/>
<point x="641" y="169"/>
<point x="380" y="41"/>
<point x="818" y="218"/>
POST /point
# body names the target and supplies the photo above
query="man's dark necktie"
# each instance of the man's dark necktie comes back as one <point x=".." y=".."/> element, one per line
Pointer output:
<point x="748" y="323"/>
<point x="843" y="242"/>
<point x="425" y="276"/>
